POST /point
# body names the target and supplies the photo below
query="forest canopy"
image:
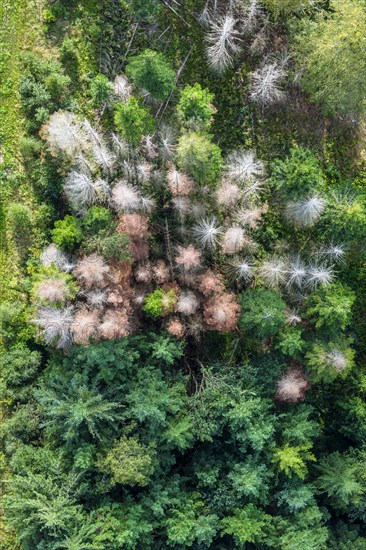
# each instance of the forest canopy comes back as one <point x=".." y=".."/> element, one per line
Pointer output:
<point x="182" y="305"/>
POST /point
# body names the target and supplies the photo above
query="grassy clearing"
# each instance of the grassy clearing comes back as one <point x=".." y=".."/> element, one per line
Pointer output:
<point x="21" y="29"/>
<point x="12" y="24"/>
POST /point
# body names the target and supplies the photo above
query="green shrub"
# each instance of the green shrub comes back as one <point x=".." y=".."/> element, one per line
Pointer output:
<point x="298" y="174"/>
<point x="15" y="327"/>
<point x="246" y="524"/>
<point x="199" y="157"/>
<point x="160" y="303"/>
<point x="67" y="233"/>
<point x="151" y="71"/>
<point x="262" y="313"/>
<point x="330" y="308"/>
<point x="345" y="215"/>
<point x="100" y="90"/>
<point x="43" y="89"/>
<point x="341" y="477"/>
<point x="70" y="58"/>
<point x="109" y="246"/>
<point x="18" y="367"/>
<point x="30" y="148"/>
<point x="57" y="84"/>
<point x="129" y="462"/>
<point x="19" y="217"/>
<point x="116" y="246"/>
<point x="291" y="342"/>
<point x="133" y="121"/>
<point x="292" y="459"/>
<point x="97" y="219"/>
<point x="195" y="107"/>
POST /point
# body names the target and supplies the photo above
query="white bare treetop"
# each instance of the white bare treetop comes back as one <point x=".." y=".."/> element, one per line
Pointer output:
<point x="265" y="85"/>
<point x="222" y="43"/>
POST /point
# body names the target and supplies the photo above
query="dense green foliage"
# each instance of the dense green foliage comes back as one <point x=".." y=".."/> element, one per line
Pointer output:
<point x="151" y="72"/>
<point x="199" y="157"/>
<point x="332" y="48"/>
<point x="195" y="107"/>
<point x="133" y="120"/>
<point x="263" y="313"/>
<point x="182" y="275"/>
<point x="100" y="90"/>
<point x="43" y="89"/>
<point x="67" y="233"/>
<point x="109" y="245"/>
<point x="160" y="303"/>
